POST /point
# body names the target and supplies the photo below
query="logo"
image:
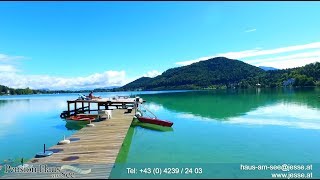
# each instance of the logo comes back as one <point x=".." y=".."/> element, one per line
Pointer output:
<point x="66" y="174"/>
<point x="65" y="171"/>
<point x="75" y="169"/>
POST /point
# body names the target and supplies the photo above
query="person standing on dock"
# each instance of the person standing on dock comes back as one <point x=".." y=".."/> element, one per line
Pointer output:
<point x="91" y="96"/>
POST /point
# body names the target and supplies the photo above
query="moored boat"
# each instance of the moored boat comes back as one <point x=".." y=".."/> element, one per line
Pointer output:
<point x="155" y="121"/>
<point x="81" y="118"/>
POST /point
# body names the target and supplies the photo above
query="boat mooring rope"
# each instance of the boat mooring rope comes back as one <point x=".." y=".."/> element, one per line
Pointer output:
<point x="148" y="111"/>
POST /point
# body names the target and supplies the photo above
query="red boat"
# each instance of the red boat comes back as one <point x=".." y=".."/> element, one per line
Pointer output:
<point x="155" y="121"/>
<point x="81" y="118"/>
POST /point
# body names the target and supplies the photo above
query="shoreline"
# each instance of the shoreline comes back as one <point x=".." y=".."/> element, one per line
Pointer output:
<point x="167" y="90"/>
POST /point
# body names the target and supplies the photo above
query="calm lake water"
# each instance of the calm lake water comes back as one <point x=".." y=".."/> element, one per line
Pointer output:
<point x="221" y="126"/>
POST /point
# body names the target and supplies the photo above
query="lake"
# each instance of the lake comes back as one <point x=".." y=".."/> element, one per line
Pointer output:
<point x="218" y="127"/>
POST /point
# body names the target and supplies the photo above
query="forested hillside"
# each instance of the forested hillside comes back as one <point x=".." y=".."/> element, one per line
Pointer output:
<point x="222" y="72"/>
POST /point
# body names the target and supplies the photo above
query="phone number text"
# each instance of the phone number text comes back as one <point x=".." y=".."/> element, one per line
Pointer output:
<point x="159" y="171"/>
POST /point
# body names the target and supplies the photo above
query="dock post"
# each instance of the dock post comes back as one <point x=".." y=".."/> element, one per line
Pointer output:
<point x="82" y="103"/>
<point x="135" y="106"/>
<point x="68" y="108"/>
<point x="75" y="108"/>
<point x="89" y="107"/>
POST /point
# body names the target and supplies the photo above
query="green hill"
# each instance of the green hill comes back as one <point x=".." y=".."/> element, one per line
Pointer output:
<point x="221" y="72"/>
<point x="141" y="82"/>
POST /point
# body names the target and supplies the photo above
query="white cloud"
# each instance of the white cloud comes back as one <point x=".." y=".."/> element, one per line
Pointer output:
<point x="260" y="52"/>
<point x="152" y="73"/>
<point x="6" y="58"/>
<point x="288" y="61"/>
<point x="312" y="54"/>
<point x="250" y="30"/>
<point x="10" y="76"/>
<point x="257" y="52"/>
<point x="6" y="63"/>
<point x="105" y="79"/>
<point x="7" y="68"/>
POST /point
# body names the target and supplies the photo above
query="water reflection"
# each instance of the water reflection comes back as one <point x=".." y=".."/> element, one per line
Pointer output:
<point x="281" y="114"/>
<point x="226" y="104"/>
<point x="287" y="107"/>
<point x="210" y="104"/>
<point x="17" y="111"/>
<point x="29" y="122"/>
<point x="230" y="127"/>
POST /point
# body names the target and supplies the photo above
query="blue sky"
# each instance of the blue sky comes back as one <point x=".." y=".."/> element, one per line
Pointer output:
<point x="60" y="45"/>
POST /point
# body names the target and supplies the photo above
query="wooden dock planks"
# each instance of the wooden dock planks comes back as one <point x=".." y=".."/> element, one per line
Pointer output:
<point x="95" y="148"/>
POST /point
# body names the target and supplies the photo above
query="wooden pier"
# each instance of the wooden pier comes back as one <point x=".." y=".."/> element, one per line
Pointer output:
<point x="93" y="149"/>
<point x="82" y="106"/>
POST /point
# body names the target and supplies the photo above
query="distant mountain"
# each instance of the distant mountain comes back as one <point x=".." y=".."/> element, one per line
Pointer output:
<point x="268" y="68"/>
<point x="221" y="72"/>
<point x="137" y="84"/>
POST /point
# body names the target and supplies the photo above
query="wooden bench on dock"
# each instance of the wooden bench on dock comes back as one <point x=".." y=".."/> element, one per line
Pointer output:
<point x="129" y="109"/>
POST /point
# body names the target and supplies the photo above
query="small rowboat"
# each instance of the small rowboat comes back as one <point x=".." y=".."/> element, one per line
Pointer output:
<point x="81" y="118"/>
<point x="155" y="121"/>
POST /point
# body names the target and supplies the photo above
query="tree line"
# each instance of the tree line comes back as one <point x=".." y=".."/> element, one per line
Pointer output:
<point x="215" y="73"/>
